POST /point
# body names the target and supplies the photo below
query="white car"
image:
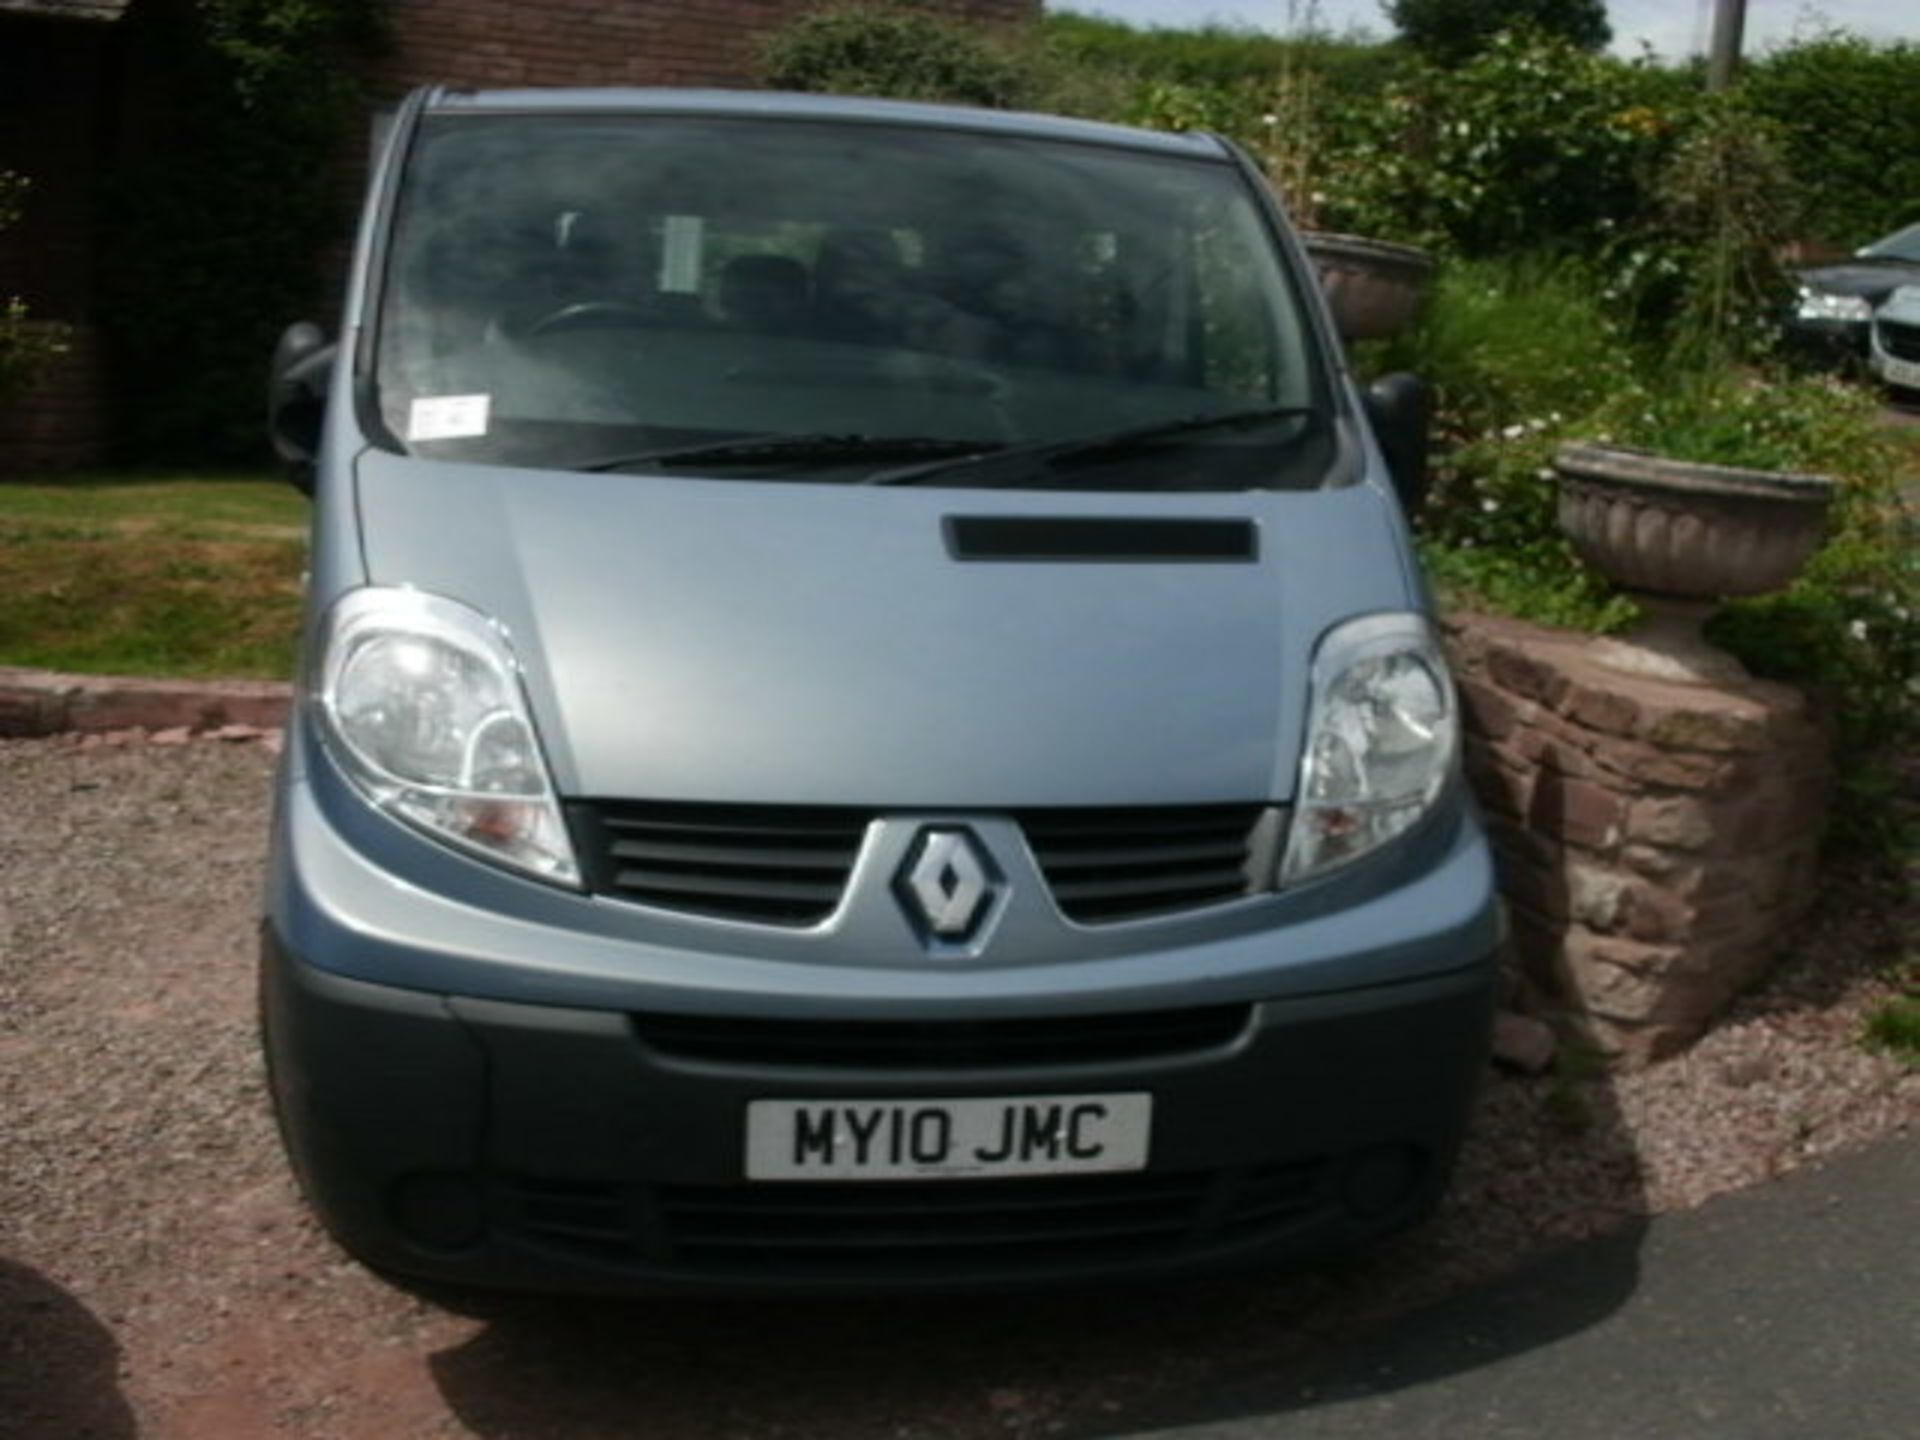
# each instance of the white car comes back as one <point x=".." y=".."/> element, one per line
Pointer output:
<point x="1894" y="348"/>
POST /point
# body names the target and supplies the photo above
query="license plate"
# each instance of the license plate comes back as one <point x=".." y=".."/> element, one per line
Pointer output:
<point x="947" y="1139"/>
<point x="1899" y="372"/>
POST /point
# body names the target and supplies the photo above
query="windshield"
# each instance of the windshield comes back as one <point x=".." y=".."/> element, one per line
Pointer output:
<point x="1901" y="245"/>
<point x="569" y="291"/>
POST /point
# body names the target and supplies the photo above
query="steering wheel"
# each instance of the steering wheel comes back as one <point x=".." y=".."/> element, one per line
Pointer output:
<point x="592" y="315"/>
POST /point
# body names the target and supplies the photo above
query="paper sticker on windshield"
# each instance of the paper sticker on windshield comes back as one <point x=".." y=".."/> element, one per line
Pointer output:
<point x="447" y="417"/>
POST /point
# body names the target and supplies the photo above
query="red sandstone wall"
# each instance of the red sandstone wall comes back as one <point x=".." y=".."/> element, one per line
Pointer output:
<point x="1655" y="842"/>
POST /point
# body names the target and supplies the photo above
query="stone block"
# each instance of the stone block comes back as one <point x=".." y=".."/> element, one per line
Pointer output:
<point x="25" y="710"/>
<point x="1601" y="706"/>
<point x="1516" y="669"/>
<point x="1539" y="889"/>
<point x="1709" y="720"/>
<point x="1678" y="822"/>
<point x="1523" y="1043"/>
<point x="1490" y="711"/>
<point x="1640" y="764"/>
<point x="1598" y="898"/>
<point x="1548" y="744"/>
<point x="1577" y="812"/>
<point x="1502" y="786"/>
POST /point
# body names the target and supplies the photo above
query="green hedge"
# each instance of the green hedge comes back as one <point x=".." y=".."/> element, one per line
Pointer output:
<point x="894" y="50"/>
<point x="1849" y="110"/>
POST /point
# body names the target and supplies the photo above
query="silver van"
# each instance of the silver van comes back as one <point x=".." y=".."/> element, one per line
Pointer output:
<point x="869" y="717"/>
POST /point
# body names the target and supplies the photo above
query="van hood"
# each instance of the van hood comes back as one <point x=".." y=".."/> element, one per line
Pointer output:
<point x="1868" y="278"/>
<point x="798" y="643"/>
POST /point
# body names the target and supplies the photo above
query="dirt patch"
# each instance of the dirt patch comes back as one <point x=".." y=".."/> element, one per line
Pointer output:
<point x="158" y="1276"/>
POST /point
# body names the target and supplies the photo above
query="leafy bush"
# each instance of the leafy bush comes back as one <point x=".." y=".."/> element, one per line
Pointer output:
<point x="1532" y="145"/>
<point x="214" y="242"/>
<point x="1851" y="621"/>
<point x="896" y="50"/>
<point x="1516" y="352"/>
<point x="1508" y="342"/>
<point x="1449" y="32"/>
<point x="1223" y="57"/>
<point x="1727" y="207"/>
<point x="1848" y="110"/>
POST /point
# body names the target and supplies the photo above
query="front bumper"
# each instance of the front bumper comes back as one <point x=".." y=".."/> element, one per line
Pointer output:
<point x="485" y="1080"/>
<point x="1894" y="354"/>
<point x="1828" y="342"/>
<point x="553" y="1148"/>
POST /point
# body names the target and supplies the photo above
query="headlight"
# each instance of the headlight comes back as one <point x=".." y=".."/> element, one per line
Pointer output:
<point x="420" y="699"/>
<point x="1822" y="305"/>
<point x="1382" y="732"/>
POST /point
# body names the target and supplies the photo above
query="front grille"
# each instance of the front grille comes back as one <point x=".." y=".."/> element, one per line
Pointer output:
<point x="933" y="1226"/>
<point x="1898" y="340"/>
<point x="913" y="1228"/>
<point x="788" y="865"/>
<point x="944" y="1044"/>
<point x="779" y="865"/>
<point x="1105" y="865"/>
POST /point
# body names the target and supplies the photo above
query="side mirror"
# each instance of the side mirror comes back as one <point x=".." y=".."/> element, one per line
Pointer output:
<point x="1401" y="409"/>
<point x="297" y="399"/>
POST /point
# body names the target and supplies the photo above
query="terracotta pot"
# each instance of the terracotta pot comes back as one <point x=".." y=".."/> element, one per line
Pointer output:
<point x="1682" y="537"/>
<point x="1376" y="288"/>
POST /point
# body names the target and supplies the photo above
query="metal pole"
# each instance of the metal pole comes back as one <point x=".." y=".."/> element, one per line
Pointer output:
<point x="1729" y="21"/>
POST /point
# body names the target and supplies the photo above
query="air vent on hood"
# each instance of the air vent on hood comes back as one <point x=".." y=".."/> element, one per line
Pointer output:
<point x="1102" y="538"/>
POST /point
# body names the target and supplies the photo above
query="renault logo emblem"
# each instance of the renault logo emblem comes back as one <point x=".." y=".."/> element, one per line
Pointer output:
<point x="947" y="883"/>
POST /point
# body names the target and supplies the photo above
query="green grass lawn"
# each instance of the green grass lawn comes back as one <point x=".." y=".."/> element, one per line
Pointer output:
<point x="152" y="574"/>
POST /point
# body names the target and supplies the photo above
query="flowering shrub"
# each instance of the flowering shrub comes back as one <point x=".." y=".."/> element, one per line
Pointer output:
<point x="1526" y="356"/>
<point x="1533" y="144"/>
<point x="1848" y="109"/>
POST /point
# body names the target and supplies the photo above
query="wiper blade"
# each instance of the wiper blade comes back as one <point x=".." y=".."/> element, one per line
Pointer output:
<point x="1085" y="447"/>
<point x="781" y="445"/>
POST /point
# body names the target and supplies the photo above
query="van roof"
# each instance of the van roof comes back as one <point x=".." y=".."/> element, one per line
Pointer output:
<point x="852" y="109"/>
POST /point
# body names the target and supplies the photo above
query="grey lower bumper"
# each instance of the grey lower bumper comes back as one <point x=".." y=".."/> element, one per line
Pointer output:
<point x="554" y="1148"/>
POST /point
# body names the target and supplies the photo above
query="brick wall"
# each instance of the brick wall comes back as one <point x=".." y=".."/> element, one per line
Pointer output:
<point x="52" y="120"/>
<point x="52" y="114"/>
<point x="1655" y="841"/>
<point x="484" y="43"/>
<point x="58" y="422"/>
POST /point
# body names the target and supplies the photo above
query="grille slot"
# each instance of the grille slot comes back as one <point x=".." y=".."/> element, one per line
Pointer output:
<point x="1275" y="1196"/>
<point x="588" y="1216"/>
<point x="928" y="1227"/>
<point x="966" y="1044"/>
<point x="1898" y="340"/>
<point x="1105" y="865"/>
<point x="776" y="865"/>
<point x="918" y="1228"/>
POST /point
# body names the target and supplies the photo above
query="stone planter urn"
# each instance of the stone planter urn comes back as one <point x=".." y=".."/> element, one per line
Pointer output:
<point x="1681" y="537"/>
<point x="1376" y="288"/>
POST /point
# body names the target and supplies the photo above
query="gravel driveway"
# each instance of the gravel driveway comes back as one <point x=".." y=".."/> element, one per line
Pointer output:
<point x="158" y="1276"/>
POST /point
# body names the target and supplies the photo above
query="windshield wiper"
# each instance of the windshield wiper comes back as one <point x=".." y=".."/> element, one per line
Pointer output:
<point x="780" y="445"/>
<point x="1080" y="449"/>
